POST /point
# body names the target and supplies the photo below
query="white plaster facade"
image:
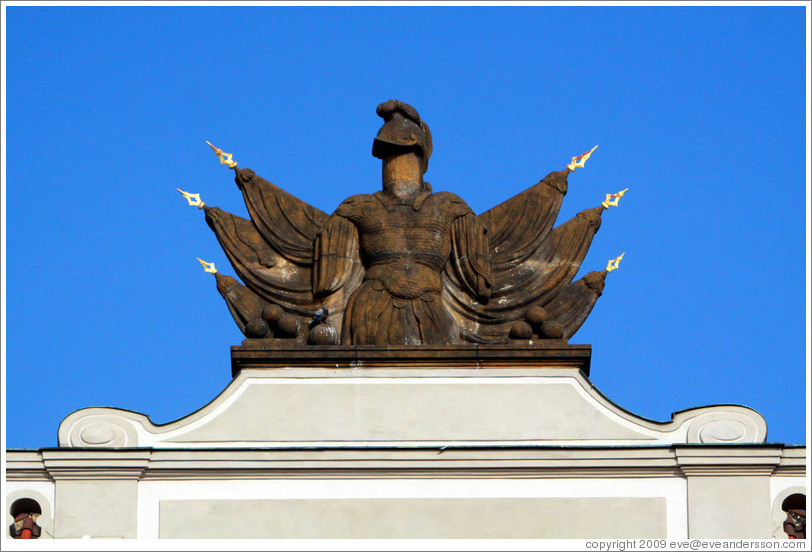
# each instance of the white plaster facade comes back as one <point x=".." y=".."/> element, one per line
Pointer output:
<point x="411" y="453"/>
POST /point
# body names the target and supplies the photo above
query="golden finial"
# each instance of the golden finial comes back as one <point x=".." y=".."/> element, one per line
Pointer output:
<point x="580" y="160"/>
<point x="612" y="199"/>
<point x="225" y="158"/>
<point x="208" y="267"/>
<point x="193" y="199"/>
<point x="613" y="264"/>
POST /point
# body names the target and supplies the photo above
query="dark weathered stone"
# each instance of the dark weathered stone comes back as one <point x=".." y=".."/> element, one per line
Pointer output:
<point x="277" y="354"/>
<point x="323" y="334"/>
<point x="536" y="315"/>
<point x="272" y="313"/>
<point x="551" y="330"/>
<point x="289" y="326"/>
<point x="257" y="328"/>
<point x="406" y="265"/>
<point x="521" y="330"/>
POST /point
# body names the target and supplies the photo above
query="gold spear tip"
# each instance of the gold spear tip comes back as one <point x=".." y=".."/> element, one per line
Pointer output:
<point x="193" y="199"/>
<point x="208" y="267"/>
<point x="614" y="263"/>
<point x="225" y="158"/>
<point x="612" y="199"/>
<point x="580" y="159"/>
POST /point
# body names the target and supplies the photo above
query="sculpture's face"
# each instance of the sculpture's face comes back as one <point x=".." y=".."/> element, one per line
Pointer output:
<point x="402" y="164"/>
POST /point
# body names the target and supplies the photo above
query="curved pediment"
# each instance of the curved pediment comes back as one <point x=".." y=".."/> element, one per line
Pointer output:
<point x="410" y="407"/>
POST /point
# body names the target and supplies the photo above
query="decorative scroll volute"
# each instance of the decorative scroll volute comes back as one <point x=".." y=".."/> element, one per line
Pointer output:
<point x="107" y="428"/>
<point x="726" y="427"/>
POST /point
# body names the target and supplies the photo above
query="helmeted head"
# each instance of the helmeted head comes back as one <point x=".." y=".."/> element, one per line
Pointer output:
<point x="403" y="130"/>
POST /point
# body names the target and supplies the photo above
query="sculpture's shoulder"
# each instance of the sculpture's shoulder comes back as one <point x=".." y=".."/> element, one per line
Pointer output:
<point x="355" y="206"/>
<point x="450" y="203"/>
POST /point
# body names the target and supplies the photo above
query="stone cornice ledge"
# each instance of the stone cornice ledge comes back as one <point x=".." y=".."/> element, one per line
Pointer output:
<point x="374" y="463"/>
<point x="25" y="465"/>
<point x="96" y="463"/>
<point x="718" y="460"/>
<point x="793" y="462"/>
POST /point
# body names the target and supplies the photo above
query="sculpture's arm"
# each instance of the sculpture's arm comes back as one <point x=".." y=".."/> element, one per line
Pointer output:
<point x="517" y="227"/>
<point x="287" y="223"/>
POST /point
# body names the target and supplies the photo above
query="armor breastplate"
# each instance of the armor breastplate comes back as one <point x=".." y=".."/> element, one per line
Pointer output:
<point x="403" y="248"/>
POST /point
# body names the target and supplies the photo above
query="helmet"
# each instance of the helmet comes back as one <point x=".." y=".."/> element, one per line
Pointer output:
<point x="402" y="128"/>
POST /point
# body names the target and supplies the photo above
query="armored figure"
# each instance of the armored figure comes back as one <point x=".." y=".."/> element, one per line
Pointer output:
<point x="407" y="235"/>
<point x="405" y="265"/>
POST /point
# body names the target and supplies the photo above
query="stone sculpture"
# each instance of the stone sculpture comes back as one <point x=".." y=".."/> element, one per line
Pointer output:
<point x="406" y="265"/>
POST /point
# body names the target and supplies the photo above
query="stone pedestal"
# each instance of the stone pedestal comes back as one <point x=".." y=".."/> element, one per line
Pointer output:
<point x="276" y="354"/>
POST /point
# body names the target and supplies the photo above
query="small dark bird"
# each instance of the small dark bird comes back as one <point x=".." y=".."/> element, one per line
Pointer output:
<point x="319" y="317"/>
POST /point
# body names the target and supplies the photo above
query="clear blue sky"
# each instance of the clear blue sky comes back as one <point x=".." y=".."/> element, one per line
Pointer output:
<point x="699" y="111"/>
